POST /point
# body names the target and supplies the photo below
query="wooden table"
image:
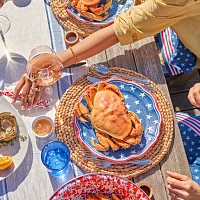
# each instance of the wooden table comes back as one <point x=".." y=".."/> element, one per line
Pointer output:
<point x="30" y="27"/>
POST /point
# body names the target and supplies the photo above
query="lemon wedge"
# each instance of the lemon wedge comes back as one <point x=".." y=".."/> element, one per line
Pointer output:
<point x="5" y="162"/>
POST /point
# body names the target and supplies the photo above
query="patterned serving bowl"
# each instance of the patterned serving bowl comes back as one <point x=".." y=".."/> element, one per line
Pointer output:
<point x="89" y="184"/>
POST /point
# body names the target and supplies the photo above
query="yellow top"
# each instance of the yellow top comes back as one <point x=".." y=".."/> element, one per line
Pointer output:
<point x="154" y="16"/>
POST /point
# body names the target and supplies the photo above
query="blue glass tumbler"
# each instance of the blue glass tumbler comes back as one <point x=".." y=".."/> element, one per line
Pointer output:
<point x="56" y="157"/>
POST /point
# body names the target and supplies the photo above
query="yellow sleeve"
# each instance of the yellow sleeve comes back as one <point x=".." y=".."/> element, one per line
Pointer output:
<point x="147" y="19"/>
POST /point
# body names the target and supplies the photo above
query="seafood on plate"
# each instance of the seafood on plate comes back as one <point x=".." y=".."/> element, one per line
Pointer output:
<point x="114" y="125"/>
<point x="100" y="196"/>
<point x="5" y="162"/>
<point x="8" y="127"/>
<point x="90" y="9"/>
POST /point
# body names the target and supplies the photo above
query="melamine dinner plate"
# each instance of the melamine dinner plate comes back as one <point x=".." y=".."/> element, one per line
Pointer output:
<point x="18" y="148"/>
<point x="114" y="10"/>
<point x="89" y="184"/>
<point x="141" y="102"/>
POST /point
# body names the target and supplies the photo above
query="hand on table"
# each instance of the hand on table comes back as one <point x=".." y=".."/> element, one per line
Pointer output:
<point x="182" y="188"/>
<point x="194" y="95"/>
<point x="31" y="93"/>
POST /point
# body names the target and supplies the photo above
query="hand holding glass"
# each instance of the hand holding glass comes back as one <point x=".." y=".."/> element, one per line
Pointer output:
<point x="44" y="68"/>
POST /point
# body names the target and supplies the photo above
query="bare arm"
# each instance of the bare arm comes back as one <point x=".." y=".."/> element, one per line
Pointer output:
<point x="90" y="46"/>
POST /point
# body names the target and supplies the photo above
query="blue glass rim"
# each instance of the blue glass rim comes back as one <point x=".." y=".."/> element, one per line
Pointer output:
<point x="53" y="142"/>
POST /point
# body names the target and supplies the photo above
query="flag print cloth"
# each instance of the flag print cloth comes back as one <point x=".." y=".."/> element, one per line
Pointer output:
<point x="177" y="58"/>
<point x="190" y="131"/>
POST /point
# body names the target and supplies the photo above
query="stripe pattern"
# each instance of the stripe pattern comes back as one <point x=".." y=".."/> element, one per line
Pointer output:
<point x="190" y="132"/>
<point x="177" y="58"/>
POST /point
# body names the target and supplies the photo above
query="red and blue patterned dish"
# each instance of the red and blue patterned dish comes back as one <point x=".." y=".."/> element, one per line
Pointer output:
<point x="138" y="100"/>
<point x="115" y="9"/>
<point x="89" y="184"/>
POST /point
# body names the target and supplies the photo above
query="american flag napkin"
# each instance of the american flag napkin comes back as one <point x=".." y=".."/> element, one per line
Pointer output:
<point x="190" y="131"/>
<point x="177" y="58"/>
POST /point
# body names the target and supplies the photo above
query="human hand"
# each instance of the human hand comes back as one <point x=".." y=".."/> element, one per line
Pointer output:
<point x="31" y="92"/>
<point x="182" y="187"/>
<point x="194" y="95"/>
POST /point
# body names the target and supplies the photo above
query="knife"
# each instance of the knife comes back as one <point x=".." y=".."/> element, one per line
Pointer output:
<point x="95" y="80"/>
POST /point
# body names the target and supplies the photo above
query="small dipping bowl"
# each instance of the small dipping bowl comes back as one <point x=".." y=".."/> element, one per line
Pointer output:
<point x="71" y="38"/>
<point x="56" y="158"/>
<point x="146" y="188"/>
<point x="43" y="126"/>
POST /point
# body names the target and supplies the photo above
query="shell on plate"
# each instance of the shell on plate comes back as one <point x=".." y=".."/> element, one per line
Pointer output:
<point x="8" y="127"/>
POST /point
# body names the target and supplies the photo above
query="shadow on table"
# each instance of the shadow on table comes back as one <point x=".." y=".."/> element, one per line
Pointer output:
<point x="20" y="3"/>
<point x="20" y="174"/>
<point x="57" y="182"/>
<point x="42" y="142"/>
<point x="12" y="68"/>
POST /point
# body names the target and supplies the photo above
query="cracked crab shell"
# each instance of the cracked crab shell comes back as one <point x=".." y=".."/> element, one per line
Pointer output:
<point x="110" y="115"/>
<point x="8" y="127"/>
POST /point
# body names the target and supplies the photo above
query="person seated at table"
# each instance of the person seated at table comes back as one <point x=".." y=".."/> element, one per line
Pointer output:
<point x="138" y="22"/>
<point x="146" y="19"/>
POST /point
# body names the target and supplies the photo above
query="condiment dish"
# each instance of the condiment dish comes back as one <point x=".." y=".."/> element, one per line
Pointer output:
<point x="43" y="126"/>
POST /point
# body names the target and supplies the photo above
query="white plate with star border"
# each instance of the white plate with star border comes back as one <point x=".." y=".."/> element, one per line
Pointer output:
<point x="116" y="8"/>
<point x="138" y="100"/>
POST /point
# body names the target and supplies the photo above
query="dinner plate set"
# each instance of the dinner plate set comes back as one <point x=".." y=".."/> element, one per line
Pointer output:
<point x="116" y="8"/>
<point x="143" y="104"/>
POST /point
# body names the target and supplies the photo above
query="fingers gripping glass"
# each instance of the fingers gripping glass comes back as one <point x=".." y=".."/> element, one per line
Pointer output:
<point x="44" y="68"/>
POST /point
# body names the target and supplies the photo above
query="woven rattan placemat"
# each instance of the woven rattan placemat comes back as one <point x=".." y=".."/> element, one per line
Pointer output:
<point x="69" y="22"/>
<point x="65" y="131"/>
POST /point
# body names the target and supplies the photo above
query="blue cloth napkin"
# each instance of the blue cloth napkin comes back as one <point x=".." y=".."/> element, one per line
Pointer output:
<point x="177" y="58"/>
<point x="190" y="131"/>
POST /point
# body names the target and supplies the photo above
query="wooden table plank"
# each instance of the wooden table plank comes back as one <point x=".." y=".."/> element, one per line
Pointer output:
<point x="120" y="56"/>
<point x="147" y="63"/>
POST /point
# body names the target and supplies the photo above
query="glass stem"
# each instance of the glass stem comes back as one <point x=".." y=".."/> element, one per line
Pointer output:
<point x="3" y="38"/>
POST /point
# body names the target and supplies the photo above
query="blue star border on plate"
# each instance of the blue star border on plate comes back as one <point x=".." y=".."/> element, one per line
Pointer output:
<point x="116" y="8"/>
<point x="138" y="100"/>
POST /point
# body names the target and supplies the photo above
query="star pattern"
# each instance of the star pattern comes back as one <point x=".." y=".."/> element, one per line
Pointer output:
<point x="191" y="143"/>
<point x="115" y="10"/>
<point x="177" y="58"/>
<point x="140" y="102"/>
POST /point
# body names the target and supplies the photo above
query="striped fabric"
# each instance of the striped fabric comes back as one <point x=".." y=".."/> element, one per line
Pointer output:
<point x="58" y="44"/>
<point x="190" y="131"/>
<point x="177" y="58"/>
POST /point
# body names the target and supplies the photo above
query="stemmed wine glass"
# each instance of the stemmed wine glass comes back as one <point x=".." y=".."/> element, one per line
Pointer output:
<point x="4" y="27"/>
<point x="44" y="68"/>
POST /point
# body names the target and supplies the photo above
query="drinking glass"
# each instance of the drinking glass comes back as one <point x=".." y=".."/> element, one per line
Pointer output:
<point x="56" y="157"/>
<point x="4" y="24"/>
<point x="44" y="68"/>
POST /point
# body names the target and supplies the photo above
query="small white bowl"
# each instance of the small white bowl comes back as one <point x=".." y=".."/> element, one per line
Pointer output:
<point x="43" y="118"/>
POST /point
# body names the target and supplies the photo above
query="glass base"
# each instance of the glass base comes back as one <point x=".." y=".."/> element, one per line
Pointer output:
<point x="61" y="172"/>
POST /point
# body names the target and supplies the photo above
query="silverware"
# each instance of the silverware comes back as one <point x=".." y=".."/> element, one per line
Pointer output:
<point x="107" y="164"/>
<point x="102" y="70"/>
<point x="95" y="80"/>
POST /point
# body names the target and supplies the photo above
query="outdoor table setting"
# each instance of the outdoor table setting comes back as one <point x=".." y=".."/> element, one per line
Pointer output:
<point x="70" y="159"/>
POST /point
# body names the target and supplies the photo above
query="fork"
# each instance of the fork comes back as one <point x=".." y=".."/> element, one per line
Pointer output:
<point x="106" y="164"/>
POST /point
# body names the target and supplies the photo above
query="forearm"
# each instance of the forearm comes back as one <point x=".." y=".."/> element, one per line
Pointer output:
<point x="90" y="46"/>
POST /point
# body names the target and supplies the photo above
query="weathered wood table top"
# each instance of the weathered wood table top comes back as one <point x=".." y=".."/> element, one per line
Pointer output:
<point x="33" y="24"/>
<point x="142" y="57"/>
